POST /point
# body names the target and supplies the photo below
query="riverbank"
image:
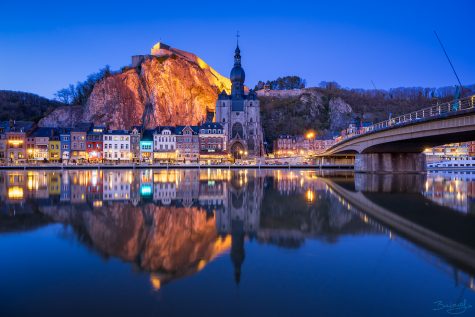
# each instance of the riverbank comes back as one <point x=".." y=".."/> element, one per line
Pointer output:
<point x="187" y="166"/>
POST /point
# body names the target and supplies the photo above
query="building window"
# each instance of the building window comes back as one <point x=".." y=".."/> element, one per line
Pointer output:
<point x="237" y="129"/>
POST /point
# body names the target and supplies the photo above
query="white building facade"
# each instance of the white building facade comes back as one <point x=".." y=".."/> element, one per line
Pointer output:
<point x="117" y="145"/>
<point x="164" y="144"/>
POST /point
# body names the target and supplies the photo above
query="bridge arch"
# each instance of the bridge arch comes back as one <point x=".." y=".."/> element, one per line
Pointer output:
<point x="399" y="148"/>
<point x="411" y="138"/>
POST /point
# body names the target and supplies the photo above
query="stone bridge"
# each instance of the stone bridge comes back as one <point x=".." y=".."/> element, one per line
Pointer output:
<point x="397" y="145"/>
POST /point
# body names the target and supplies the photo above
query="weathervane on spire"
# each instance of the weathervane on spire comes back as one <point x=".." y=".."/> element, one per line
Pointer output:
<point x="237" y="38"/>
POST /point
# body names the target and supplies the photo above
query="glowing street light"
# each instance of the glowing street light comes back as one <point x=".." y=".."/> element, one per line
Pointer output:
<point x="310" y="135"/>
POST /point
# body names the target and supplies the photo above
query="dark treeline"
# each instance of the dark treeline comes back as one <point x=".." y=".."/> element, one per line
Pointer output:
<point x="19" y="105"/>
<point x="282" y="83"/>
<point x="79" y="94"/>
<point x="379" y="104"/>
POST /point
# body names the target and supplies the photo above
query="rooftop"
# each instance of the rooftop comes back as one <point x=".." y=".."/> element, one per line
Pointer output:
<point x="211" y="125"/>
<point x="160" y="129"/>
<point x="43" y="132"/>
<point x="148" y="135"/>
<point x="117" y="132"/>
<point x="179" y="129"/>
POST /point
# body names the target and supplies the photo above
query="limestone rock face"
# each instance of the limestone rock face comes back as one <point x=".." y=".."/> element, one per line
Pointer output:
<point x="340" y="114"/>
<point x="62" y="117"/>
<point x="116" y="101"/>
<point x="175" y="88"/>
<point x="294" y="111"/>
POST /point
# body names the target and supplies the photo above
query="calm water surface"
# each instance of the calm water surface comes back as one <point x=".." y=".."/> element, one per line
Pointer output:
<point x="236" y="243"/>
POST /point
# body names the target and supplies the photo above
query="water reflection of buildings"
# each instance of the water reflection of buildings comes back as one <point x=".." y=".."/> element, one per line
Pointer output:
<point x="117" y="185"/>
<point x="454" y="190"/>
<point x="172" y="223"/>
<point x="186" y="188"/>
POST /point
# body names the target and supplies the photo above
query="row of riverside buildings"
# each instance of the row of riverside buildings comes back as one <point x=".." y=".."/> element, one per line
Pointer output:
<point x="291" y="145"/>
<point x="23" y="142"/>
<point x="235" y="134"/>
<point x="310" y="144"/>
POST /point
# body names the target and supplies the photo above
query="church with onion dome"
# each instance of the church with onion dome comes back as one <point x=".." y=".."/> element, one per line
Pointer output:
<point x="239" y="113"/>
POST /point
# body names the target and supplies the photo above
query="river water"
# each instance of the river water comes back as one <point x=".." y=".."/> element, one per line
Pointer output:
<point x="236" y="243"/>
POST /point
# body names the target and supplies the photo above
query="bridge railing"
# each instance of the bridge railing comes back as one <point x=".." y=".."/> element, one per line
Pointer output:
<point x="433" y="112"/>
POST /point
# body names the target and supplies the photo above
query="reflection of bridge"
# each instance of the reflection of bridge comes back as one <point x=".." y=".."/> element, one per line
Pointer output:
<point x="437" y="235"/>
<point x="396" y="145"/>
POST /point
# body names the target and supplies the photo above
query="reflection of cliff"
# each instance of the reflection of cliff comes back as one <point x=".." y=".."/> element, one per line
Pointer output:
<point x="173" y="242"/>
<point x="173" y="222"/>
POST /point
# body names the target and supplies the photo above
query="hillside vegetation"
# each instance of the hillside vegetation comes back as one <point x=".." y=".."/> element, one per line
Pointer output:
<point x="329" y="108"/>
<point x="24" y="106"/>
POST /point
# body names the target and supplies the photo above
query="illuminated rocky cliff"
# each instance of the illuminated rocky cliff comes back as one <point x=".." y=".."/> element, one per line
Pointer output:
<point x="170" y="86"/>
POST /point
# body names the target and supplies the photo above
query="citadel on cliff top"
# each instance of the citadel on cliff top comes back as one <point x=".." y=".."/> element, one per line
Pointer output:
<point x="163" y="50"/>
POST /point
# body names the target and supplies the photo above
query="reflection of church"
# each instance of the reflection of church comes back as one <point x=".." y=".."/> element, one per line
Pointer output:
<point x="241" y="215"/>
<point x="239" y="113"/>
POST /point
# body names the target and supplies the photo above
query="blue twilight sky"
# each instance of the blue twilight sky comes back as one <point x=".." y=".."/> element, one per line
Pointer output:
<point x="46" y="45"/>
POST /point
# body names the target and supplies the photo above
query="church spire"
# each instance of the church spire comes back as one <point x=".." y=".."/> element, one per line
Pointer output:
<point x="237" y="75"/>
<point x="237" y="52"/>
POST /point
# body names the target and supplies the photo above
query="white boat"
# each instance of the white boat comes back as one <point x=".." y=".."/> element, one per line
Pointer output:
<point x="459" y="163"/>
